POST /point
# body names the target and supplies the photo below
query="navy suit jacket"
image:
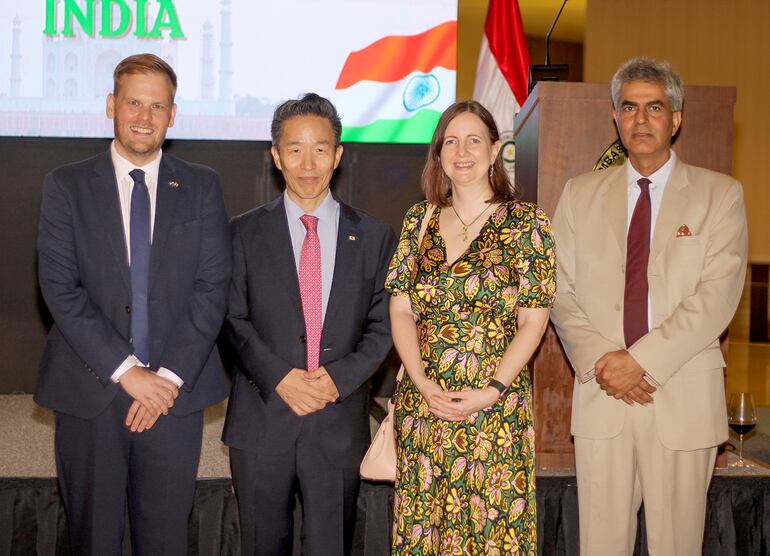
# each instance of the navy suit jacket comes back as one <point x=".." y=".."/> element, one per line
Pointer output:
<point x="266" y="328"/>
<point x="85" y="280"/>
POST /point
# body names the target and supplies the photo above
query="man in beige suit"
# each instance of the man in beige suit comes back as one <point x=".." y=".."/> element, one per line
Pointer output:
<point x="651" y="264"/>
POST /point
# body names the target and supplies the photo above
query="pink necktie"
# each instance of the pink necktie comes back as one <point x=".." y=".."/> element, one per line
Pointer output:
<point x="637" y="254"/>
<point x="310" y="288"/>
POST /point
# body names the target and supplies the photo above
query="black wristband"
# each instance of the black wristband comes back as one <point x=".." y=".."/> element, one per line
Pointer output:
<point x="497" y="385"/>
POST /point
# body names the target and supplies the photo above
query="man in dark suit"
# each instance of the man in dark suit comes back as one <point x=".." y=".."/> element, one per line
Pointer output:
<point x="134" y="263"/>
<point x="308" y="321"/>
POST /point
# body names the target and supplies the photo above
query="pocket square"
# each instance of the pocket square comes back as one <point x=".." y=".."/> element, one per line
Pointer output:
<point x="683" y="231"/>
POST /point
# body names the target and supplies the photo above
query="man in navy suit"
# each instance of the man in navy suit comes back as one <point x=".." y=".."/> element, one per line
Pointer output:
<point x="134" y="264"/>
<point x="308" y="320"/>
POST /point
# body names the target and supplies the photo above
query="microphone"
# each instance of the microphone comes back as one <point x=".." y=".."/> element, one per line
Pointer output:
<point x="550" y="31"/>
<point x="549" y="71"/>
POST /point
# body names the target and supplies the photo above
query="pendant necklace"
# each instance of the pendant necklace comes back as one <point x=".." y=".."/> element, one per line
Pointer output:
<point x="466" y="226"/>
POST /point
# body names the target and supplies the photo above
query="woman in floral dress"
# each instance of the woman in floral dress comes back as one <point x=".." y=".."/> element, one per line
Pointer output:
<point x="469" y="307"/>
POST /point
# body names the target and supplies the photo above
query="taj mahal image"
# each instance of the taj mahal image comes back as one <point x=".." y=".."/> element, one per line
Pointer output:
<point x="77" y="74"/>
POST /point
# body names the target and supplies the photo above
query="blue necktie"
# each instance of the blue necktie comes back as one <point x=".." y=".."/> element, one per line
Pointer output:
<point x="140" y="266"/>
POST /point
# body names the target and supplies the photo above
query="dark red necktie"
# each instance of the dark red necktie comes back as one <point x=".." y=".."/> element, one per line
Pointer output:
<point x="637" y="254"/>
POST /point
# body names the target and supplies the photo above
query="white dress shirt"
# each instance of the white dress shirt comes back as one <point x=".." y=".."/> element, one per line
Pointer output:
<point x="328" y="214"/>
<point x="658" y="181"/>
<point x="125" y="187"/>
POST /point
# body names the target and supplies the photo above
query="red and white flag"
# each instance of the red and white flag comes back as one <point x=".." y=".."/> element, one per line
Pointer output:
<point x="503" y="71"/>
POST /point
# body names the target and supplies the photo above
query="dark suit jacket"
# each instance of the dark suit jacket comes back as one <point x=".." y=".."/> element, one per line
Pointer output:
<point x="85" y="280"/>
<point x="266" y="328"/>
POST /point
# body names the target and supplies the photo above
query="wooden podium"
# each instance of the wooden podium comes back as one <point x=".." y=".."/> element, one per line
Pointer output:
<point x="563" y="130"/>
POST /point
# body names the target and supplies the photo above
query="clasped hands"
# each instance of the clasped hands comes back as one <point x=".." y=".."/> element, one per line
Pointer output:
<point x="306" y="392"/>
<point x="455" y="405"/>
<point x="621" y="377"/>
<point x="153" y="396"/>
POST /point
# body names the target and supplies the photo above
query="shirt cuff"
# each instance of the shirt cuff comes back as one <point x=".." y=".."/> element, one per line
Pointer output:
<point x="165" y="373"/>
<point x="128" y="362"/>
<point x="590" y="375"/>
<point x="649" y="378"/>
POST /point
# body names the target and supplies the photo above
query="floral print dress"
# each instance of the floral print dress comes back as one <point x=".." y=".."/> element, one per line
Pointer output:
<point x="469" y="487"/>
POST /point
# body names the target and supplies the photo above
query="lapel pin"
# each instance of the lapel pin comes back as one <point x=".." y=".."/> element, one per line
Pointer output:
<point x="173" y="184"/>
<point x="352" y="238"/>
<point x="683" y="231"/>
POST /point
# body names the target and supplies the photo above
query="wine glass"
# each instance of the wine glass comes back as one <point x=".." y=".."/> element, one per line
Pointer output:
<point x="742" y="417"/>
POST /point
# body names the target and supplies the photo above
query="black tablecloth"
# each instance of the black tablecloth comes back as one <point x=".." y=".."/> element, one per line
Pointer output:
<point x="32" y="519"/>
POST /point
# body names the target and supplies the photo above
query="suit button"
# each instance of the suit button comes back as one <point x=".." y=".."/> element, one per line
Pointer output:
<point x="617" y="306"/>
<point x="303" y="339"/>
<point x="128" y="309"/>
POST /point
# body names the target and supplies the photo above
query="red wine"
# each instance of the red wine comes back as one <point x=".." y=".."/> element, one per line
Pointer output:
<point x="742" y="428"/>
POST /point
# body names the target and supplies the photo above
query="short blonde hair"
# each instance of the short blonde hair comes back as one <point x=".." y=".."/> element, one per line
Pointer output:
<point x="143" y="63"/>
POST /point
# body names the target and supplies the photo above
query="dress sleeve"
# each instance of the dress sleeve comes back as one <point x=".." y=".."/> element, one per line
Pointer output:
<point x="402" y="265"/>
<point x="535" y="259"/>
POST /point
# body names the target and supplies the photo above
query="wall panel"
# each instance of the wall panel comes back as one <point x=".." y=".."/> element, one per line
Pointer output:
<point x="710" y="42"/>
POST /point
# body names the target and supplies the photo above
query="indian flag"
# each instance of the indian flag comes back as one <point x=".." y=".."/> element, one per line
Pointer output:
<point x="395" y="89"/>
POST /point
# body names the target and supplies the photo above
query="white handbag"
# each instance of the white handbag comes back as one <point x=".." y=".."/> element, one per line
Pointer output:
<point x="379" y="463"/>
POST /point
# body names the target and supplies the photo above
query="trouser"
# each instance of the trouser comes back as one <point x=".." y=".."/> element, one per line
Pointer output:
<point x="266" y="485"/>
<point x="616" y="474"/>
<point x="102" y="466"/>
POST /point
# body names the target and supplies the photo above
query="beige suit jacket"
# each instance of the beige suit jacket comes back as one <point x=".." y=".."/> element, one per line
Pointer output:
<point x="695" y="284"/>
